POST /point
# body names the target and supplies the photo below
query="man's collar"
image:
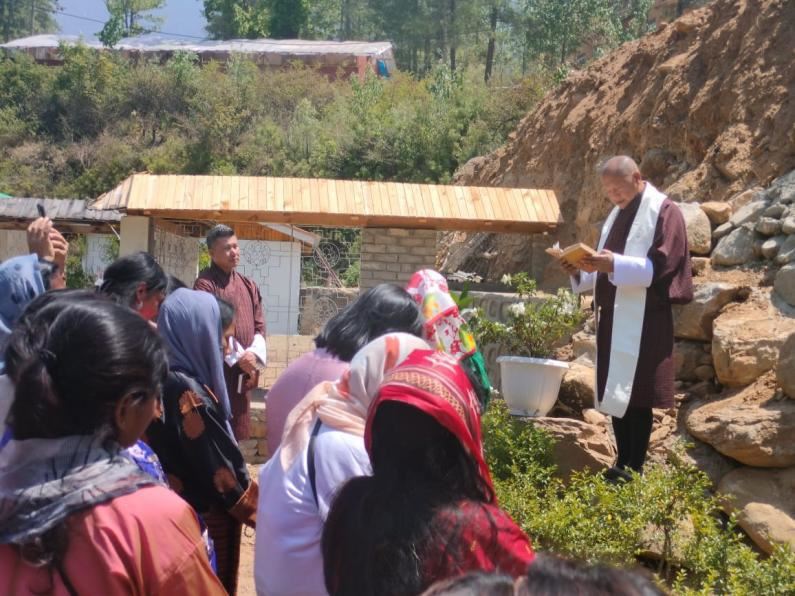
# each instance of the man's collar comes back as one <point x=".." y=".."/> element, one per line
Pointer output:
<point x="216" y="269"/>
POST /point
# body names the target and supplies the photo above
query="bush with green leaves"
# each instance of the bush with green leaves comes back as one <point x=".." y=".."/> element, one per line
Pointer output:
<point x="535" y="324"/>
<point x="666" y="520"/>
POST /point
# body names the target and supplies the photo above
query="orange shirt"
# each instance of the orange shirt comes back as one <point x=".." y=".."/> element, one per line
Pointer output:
<point x="147" y="542"/>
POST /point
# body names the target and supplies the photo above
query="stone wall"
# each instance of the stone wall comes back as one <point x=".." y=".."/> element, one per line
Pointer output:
<point x="392" y="254"/>
<point x="177" y="255"/>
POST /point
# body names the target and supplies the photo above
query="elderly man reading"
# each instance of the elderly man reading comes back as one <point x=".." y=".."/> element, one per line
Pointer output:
<point x="641" y="268"/>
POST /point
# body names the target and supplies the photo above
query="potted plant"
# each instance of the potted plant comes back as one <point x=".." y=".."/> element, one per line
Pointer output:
<point x="530" y="378"/>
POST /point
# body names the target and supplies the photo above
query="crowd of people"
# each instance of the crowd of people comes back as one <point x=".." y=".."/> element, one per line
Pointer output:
<point x="122" y="410"/>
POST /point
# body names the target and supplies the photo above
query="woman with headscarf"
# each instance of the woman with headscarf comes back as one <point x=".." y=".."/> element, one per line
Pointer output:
<point x="323" y="447"/>
<point x="429" y="511"/>
<point x="194" y="440"/>
<point x="447" y="330"/>
<point x="76" y="515"/>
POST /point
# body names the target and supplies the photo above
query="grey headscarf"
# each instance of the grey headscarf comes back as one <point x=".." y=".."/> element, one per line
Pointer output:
<point x="20" y="282"/>
<point x="190" y="325"/>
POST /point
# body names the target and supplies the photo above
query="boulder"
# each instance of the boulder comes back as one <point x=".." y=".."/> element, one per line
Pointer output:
<point x="704" y="372"/>
<point x="699" y="231"/>
<point x="740" y="200"/>
<point x="751" y="426"/>
<point x="783" y="189"/>
<point x="583" y="345"/>
<point x="595" y="417"/>
<point x="577" y="388"/>
<point x="768" y="226"/>
<point x="746" y="340"/>
<point x="786" y="253"/>
<point x="578" y="445"/>
<point x="785" y="371"/>
<point x="785" y="283"/>
<point x="735" y="249"/>
<point x="776" y="211"/>
<point x="764" y="503"/>
<point x="722" y="230"/>
<point x="694" y="320"/>
<point x="788" y="225"/>
<point x="687" y="358"/>
<point x="699" y="265"/>
<point x="749" y="213"/>
<point x="717" y="212"/>
<point x="771" y="246"/>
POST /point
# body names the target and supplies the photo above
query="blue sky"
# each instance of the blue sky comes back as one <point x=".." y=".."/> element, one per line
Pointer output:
<point x="181" y="16"/>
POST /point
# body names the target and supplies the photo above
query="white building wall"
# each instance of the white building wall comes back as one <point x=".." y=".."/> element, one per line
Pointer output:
<point x="13" y="243"/>
<point x="276" y="268"/>
<point x="96" y="258"/>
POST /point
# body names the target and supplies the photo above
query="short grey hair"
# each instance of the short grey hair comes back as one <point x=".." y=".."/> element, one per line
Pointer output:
<point x="620" y="165"/>
<point x="217" y="232"/>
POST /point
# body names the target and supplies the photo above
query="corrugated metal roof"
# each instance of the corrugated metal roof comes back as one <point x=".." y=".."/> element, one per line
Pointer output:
<point x="159" y="43"/>
<point x="71" y="210"/>
<point x="311" y="201"/>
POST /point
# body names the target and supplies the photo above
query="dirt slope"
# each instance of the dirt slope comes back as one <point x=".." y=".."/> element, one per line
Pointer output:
<point x="706" y="105"/>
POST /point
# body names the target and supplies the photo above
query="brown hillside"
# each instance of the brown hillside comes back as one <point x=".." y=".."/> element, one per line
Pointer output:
<point x="705" y="104"/>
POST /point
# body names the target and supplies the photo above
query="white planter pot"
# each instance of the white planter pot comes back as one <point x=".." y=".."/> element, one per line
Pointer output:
<point x="530" y="385"/>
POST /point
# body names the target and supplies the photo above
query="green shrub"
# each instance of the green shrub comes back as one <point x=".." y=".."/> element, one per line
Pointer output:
<point x="667" y="511"/>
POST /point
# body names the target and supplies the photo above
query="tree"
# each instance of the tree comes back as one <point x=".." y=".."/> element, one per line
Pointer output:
<point x="237" y="19"/>
<point x="288" y="18"/>
<point x="127" y="18"/>
<point x="20" y="18"/>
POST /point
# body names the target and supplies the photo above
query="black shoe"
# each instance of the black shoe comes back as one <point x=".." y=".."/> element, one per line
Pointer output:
<point x="616" y="475"/>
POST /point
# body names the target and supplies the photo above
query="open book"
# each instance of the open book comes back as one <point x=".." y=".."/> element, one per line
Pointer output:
<point x="571" y="254"/>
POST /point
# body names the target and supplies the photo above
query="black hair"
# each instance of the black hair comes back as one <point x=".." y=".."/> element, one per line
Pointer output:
<point x="227" y="310"/>
<point x="383" y="529"/>
<point x="217" y="232"/>
<point x="174" y="284"/>
<point x="82" y="358"/>
<point x="386" y="308"/>
<point x="17" y="354"/>
<point x="122" y="277"/>
<point x="550" y="575"/>
<point x="477" y="583"/>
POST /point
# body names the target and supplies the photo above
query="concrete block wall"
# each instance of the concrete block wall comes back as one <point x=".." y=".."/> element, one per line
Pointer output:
<point x="391" y="255"/>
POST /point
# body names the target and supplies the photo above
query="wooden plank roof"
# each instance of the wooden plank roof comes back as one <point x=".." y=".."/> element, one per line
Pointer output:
<point x="340" y="203"/>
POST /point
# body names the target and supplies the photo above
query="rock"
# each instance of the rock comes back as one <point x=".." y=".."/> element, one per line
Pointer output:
<point x="785" y="283"/>
<point x="595" y="417"/>
<point x="722" y="230"/>
<point x="699" y="231"/>
<point x="771" y="246"/>
<point x="750" y="213"/>
<point x="578" y="445"/>
<point x="788" y="225"/>
<point x="735" y="249"/>
<point x="783" y="189"/>
<point x="694" y="320"/>
<point x="717" y="212"/>
<point x="750" y="425"/>
<point x="763" y="500"/>
<point x="577" y="388"/>
<point x="746" y="341"/>
<point x="786" y="253"/>
<point x="583" y="345"/>
<point x="768" y="226"/>
<point x="775" y="211"/>
<point x="704" y="372"/>
<point x="687" y="355"/>
<point x="699" y="265"/>
<point x="785" y="370"/>
<point x="740" y="200"/>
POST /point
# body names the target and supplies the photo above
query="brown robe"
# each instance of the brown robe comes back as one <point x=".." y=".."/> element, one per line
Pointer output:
<point x="245" y="296"/>
<point x="672" y="283"/>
